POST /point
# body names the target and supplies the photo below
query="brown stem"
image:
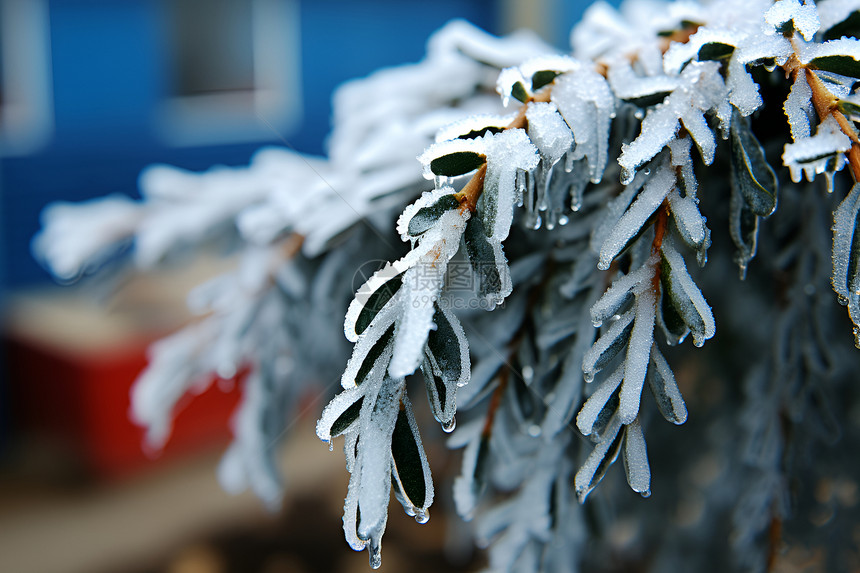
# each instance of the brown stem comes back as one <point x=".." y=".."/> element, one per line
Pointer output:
<point x="826" y="105"/>
<point x="659" y="232"/>
<point x="495" y="402"/>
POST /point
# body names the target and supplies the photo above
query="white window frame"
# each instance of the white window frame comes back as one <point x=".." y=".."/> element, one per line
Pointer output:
<point x="276" y="97"/>
<point x="26" y="111"/>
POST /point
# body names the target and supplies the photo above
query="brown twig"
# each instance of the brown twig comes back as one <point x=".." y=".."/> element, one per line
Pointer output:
<point x="827" y="105"/>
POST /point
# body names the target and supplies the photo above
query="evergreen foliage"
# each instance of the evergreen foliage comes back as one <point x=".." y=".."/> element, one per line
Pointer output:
<point x="547" y="291"/>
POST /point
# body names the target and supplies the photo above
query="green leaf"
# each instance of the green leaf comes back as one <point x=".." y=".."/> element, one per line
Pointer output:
<point x="850" y="109"/>
<point x="680" y="302"/>
<point x="743" y="228"/>
<point x="407" y="460"/>
<point x="373" y="355"/>
<point x="376" y="302"/>
<point x="444" y="344"/>
<point x="614" y="348"/>
<point x="347" y="418"/>
<point x="437" y="392"/>
<point x="542" y="78"/>
<point x="518" y="90"/>
<point x="715" y="51"/>
<point x="838" y="64"/>
<point x="482" y="258"/>
<point x="427" y="216"/>
<point x="648" y="99"/>
<point x="476" y="133"/>
<point x="602" y="420"/>
<point x="849" y="27"/>
<point x="752" y="176"/>
<point x="675" y="328"/>
<point x="457" y="163"/>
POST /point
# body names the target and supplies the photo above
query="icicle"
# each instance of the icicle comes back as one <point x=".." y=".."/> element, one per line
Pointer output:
<point x="568" y="162"/>
<point x="521" y="187"/>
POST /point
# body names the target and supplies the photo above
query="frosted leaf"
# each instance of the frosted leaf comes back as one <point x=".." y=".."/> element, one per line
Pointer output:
<point x="680" y="152"/>
<point x="688" y="219"/>
<point x="474" y="126"/>
<point x="469" y="485"/>
<point x="428" y="208"/>
<point x="614" y="211"/>
<point x="616" y="295"/>
<point x="655" y="190"/>
<point x="701" y="90"/>
<point x="421" y="287"/>
<point x="379" y="291"/>
<point x="818" y="53"/>
<point x="596" y="405"/>
<point x="686" y="296"/>
<point x="511" y="83"/>
<point x="370" y="352"/>
<point x="743" y="91"/>
<point x="638" y="354"/>
<point x="339" y="415"/>
<point x="636" y="459"/>
<point x="665" y="390"/>
<point x="601" y="457"/>
<point x="374" y="461"/>
<point x="171" y="372"/>
<point x="760" y="48"/>
<point x="422" y="284"/>
<point x="548" y="131"/>
<point x="833" y="12"/>
<point x="466" y="148"/>
<point x="814" y="155"/>
<point x="587" y="104"/>
<point x="798" y="107"/>
<point x="679" y="53"/>
<point x="555" y="63"/>
<point x="628" y="85"/>
<point x="507" y="152"/>
<point x="608" y="345"/>
<point x="411" y="471"/>
<point x="461" y="37"/>
<point x="803" y="16"/>
<point x="844" y="231"/>
<point x="448" y="345"/>
<point x="67" y="251"/>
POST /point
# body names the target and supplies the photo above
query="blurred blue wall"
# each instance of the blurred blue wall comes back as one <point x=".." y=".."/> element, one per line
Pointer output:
<point x="110" y="74"/>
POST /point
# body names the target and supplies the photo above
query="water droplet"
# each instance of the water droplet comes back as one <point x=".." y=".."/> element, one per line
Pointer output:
<point x="568" y="162"/>
<point x="646" y="493"/>
<point x="374" y="549"/>
<point x="639" y="114"/>
<point x="588" y="377"/>
<point x="563" y="220"/>
<point x="646" y="171"/>
<point x="842" y="300"/>
<point x="449" y="426"/>
<point x="534" y="430"/>
<point x="422" y="516"/>
<point x="627" y="176"/>
<point x="597" y="323"/>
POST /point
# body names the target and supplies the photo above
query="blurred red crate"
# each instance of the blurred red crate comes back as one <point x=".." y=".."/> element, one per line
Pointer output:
<point x="71" y="365"/>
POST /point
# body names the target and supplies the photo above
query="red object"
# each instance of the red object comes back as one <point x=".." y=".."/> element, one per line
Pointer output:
<point x="82" y="399"/>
